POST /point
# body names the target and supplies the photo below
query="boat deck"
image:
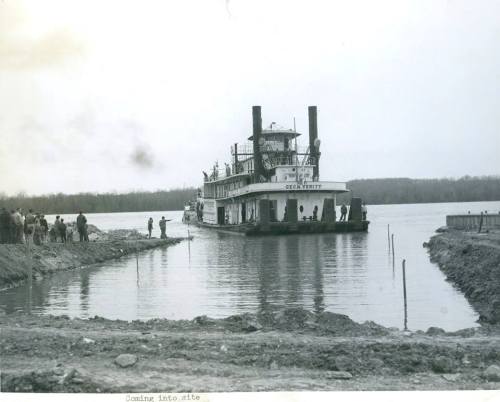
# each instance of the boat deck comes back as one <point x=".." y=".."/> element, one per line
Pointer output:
<point x="275" y="228"/>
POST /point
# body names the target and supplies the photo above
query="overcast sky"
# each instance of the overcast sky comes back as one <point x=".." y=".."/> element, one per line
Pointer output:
<point x="128" y="95"/>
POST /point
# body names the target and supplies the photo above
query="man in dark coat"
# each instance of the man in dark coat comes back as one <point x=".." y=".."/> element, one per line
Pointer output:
<point x="150" y="226"/>
<point x="81" y="226"/>
<point x="57" y="222"/>
<point x="45" y="228"/>
<point x="5" y="222"/>
<point x="62" y="231"/>
<point x="343" y="213"/>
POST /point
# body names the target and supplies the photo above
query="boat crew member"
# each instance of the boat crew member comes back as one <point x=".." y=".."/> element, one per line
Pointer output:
<point x="343" y="213"/>
<point x="364" y="211"/>
<point x="315" y="213"/>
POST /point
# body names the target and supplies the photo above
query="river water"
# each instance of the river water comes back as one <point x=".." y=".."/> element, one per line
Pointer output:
<point x="218" y="274"/>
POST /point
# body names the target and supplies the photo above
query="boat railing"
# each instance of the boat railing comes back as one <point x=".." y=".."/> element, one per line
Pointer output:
<point x="246" y="149"/>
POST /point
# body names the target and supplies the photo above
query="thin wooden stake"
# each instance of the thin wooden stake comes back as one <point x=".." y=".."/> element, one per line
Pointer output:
<point x="480" y="223"/>
<point x="189" y="245"/>
<point x="404" y="294"/>
<point x="392" y="240"/>
<point x="388" y="238"/>
<point x="137" y="259"/>
<point x="30" y="276"/>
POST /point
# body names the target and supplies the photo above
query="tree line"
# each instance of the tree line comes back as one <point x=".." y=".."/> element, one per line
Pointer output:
<point x="414" y="191"/>
<point x="372" y="191"/>
<point x="172" y="200"/>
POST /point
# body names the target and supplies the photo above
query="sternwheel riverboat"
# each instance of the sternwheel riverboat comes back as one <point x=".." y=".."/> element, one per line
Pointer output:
<point x="271" y="186"/>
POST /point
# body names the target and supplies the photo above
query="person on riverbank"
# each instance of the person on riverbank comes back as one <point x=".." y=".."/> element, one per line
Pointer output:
<point x="44" y="225"/>
<point x="57" y="222"/>
<point x="150" y="226"/>
<point x="343" y="213"/>
<point x="163" y="228"/>
<point x="69" y="233"/>
<point x="5" y="226"/>
<point x="13" y="227"/>
<point x="19" y="226"/>
<point x="86" y="233"/>
<point x="81" y="226"/>
<point x="62" y="231"/>
<point x="29" y="226"/>
<point x="37" y="231"/>
<point x="52" y="234"/>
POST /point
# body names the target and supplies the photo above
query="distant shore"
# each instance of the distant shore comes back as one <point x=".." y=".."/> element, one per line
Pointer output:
<point x="52" y="257"/>
<point x="384" y="191"/>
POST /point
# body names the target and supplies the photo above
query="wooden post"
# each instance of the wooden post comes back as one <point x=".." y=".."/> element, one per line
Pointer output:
<point x="392" y="240"/>
<point x="30" y="275"/>
<point x="137" y="259"/>
<point x="189" y="245"/>
<point x="404" y="294"/>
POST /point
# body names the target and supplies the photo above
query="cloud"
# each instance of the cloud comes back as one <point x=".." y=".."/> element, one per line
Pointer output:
<point x="20" y="51"/>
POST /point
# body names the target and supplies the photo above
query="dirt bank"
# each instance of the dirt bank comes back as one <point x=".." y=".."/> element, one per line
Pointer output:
<point x="471" y="261"/>
<point x="51" y="257"/>
<point x="291" y="350"/>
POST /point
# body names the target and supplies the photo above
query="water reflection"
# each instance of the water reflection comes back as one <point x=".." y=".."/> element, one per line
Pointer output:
<point x="220" y="274"/>
<point x="84" y="290"/>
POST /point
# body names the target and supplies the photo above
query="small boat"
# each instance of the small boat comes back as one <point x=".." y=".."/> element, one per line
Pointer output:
<point x="271" y="186"/>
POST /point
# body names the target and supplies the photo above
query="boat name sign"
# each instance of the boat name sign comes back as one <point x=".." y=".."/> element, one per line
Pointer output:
<point x="303" y="187"/>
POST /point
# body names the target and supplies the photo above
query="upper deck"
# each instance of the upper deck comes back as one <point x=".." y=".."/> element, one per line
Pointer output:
<point x="288" y="187"/>
<point x="271" y="162"/>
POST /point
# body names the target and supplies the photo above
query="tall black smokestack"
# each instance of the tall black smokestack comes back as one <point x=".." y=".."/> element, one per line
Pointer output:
<point x="257" y="135"/>
<point x="313" y="136"/>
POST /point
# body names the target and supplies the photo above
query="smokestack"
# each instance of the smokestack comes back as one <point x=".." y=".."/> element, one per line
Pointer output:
<point x="313" y="136"/>
<point x="257" y="135"/>
<point x="236" y="158"/>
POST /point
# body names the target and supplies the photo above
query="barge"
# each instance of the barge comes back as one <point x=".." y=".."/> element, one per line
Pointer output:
<point x="271" y="186"/>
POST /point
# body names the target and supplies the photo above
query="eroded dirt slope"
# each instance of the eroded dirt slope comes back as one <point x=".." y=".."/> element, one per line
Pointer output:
<point x="471" y="261"/>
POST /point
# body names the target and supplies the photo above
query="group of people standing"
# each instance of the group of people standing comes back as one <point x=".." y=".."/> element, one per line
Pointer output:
<point x="163" y="227"/>
<point x="17" y="227"/>
<point x="60" y="230"/>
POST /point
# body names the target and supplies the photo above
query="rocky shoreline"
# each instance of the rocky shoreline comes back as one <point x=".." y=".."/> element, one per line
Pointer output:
<point x="289" y="350"/>
<point x="45" y="259"/>
<point x="471" y="261"/>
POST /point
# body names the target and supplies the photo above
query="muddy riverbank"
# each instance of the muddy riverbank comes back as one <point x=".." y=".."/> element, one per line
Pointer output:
<point x="15" y="260"/>
<point x="290" y="350"/>
<point x="471" y="261"/>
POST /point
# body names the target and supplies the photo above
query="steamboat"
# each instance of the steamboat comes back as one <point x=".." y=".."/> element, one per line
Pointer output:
<point x="271" y="186"/>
